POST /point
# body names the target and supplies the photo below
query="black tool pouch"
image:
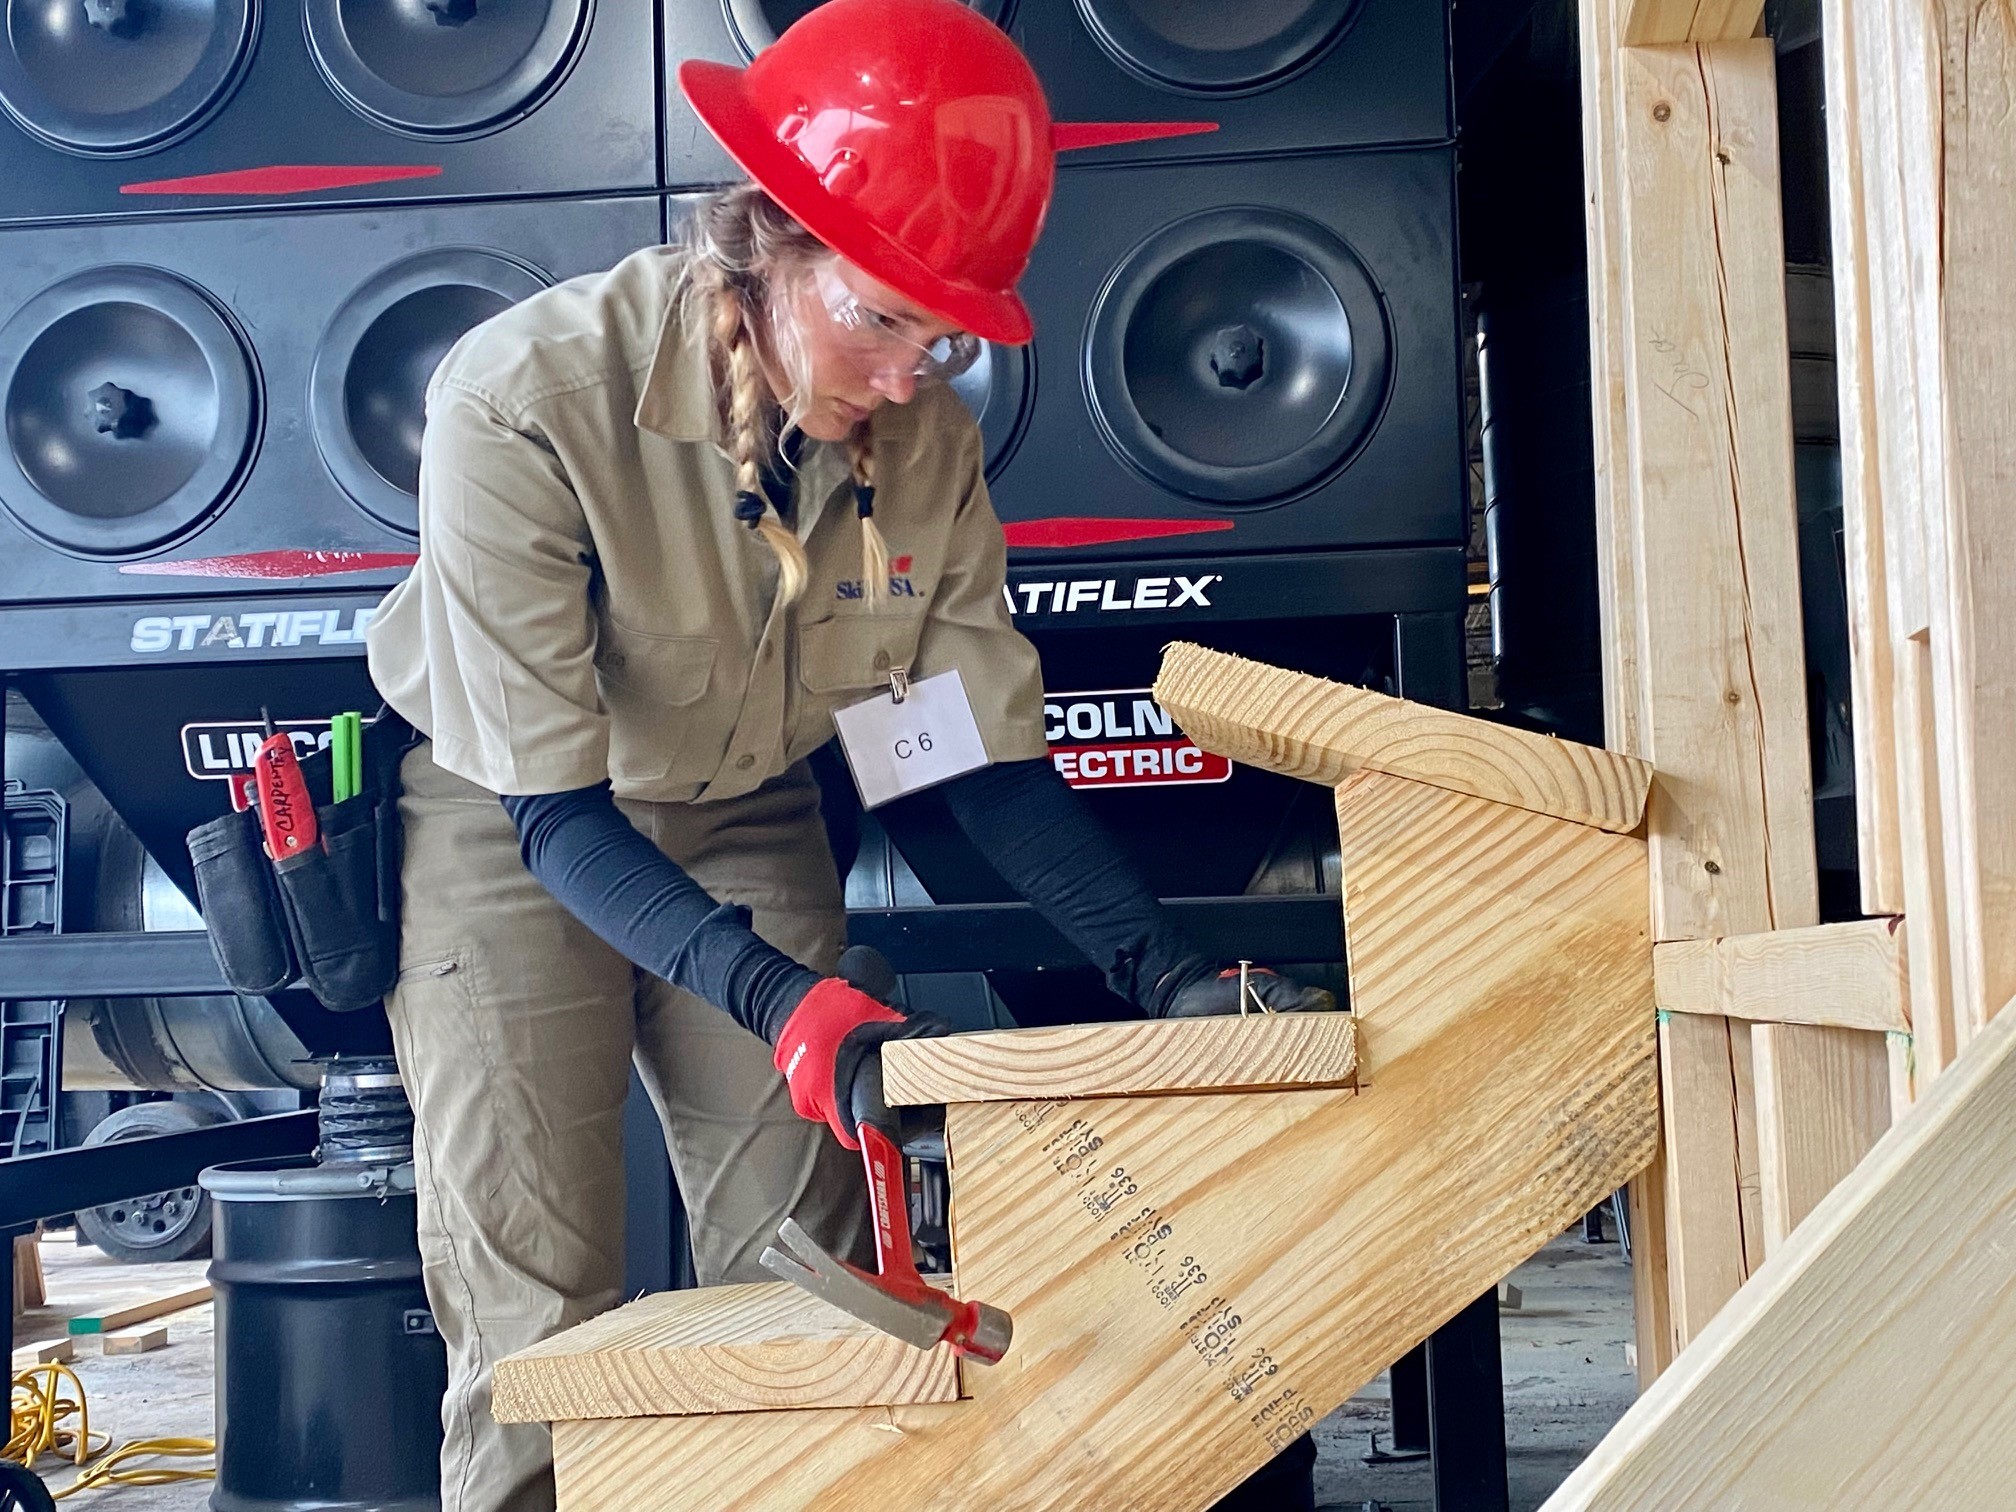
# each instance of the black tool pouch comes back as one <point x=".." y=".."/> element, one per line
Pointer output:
<point x="329" y="918"/>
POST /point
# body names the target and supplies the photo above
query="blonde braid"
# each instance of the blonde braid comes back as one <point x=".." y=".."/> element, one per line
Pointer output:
<point x="874" y="549"/>
<point x="748" y="437"/>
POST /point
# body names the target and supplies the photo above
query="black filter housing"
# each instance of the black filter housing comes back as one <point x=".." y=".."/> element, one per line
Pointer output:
<point x="1258" y="356"/>
<point x="123" y="107"/>
<point x="184" y="401"/>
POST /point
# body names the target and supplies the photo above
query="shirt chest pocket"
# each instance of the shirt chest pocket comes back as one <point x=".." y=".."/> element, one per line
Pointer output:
<point x="845" y="659"/>
<point x="655" y="687"/>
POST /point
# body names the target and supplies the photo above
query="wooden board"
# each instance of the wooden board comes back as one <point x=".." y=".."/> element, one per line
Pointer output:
<point x="1255" y="1053"/>
<point x="749" y="1348"/>
<point x="1338" y="1227"/>
<point x="141" y="1312"/>
<point x="1321" y="731"/>
<point x="1653" y="22"/>
<point x="1872" y="1361"/>
<point x="132" y="1341"/>
<point x="49" y="1352"/>
<point x="1821" y="1109"/>
<point x="29" y="1289"/>
<point x="1848" y="976"/>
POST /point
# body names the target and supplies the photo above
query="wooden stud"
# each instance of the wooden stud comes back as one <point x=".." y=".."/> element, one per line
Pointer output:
<point x="1874" y="1358"/>
<point x="141" y="1312"/>
<point x="133" y="1341"/>
<point x="1650" y="23"/>
<point x="30" y="1292"/>
<point x="1321" y="731"/>
<point x="1847" y="976"/>
<point x="747" y="1348"/>
<point x="1336" y="1227"/>
<point x="1258" y="1052"/>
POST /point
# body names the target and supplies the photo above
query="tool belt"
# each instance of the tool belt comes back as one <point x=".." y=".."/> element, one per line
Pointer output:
<point x="328" y="918"/>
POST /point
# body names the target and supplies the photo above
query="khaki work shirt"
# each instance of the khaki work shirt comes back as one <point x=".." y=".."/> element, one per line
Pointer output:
<point x="586" y="605"/>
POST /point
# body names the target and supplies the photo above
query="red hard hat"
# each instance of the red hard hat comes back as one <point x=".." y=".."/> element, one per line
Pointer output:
<point x="910" y="136"/>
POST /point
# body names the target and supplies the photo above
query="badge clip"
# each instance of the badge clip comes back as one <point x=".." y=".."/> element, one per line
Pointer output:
<point x="899" y="684"/>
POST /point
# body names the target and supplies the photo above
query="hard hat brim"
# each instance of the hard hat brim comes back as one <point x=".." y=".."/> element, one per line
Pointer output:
<point x="716" y="93"/>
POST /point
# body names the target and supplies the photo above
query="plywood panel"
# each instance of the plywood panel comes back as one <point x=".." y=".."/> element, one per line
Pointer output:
<point x="1255" y="1052"/>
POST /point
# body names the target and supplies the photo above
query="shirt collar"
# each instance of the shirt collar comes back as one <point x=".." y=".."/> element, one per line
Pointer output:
<point x="678" y="401"/>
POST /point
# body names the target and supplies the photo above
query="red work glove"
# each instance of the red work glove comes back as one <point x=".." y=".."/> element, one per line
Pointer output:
<point x="809" y="1050"/>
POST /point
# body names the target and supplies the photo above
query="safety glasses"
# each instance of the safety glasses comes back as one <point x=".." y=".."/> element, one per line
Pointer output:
<point x="881" y="343"/>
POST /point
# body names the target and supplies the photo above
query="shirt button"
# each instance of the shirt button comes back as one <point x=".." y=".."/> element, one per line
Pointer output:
<point x="881" y="661"/>
<point x="743" y="763"/>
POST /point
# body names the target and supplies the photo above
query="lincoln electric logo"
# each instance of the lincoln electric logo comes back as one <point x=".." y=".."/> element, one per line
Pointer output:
<point x="900" y="585"/>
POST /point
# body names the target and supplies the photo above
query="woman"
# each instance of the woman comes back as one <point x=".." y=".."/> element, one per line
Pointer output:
<point x="658" y="509"/>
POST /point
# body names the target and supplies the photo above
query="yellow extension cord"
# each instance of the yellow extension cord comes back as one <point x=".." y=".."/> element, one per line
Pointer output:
<point x="42" y="1419"/>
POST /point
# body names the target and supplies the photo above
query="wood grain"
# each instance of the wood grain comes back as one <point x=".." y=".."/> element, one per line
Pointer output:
<point x="750" y="1348"/>
<point x="1872" y="1361"/>
<point x="1338" y="1227"/>
<point x="1848" y="976"/>
<point x="132" y="1341"/>
<point x="1650" y="23"/>
<point x="1255" y="1053"/>
<point x="141" y="1312"/>
<point x="1321" y="731"/>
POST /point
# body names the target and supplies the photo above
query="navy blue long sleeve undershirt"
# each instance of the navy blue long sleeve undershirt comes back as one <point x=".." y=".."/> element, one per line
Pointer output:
<point x="1032" y="828"/>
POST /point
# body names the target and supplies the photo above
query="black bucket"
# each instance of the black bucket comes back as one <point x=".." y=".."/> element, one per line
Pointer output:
<point x="329" y="1370"/>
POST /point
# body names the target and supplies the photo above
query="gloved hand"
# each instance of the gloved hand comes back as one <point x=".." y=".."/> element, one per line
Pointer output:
<point x="830" y="1047"/>
<point x="1212" y="994"/>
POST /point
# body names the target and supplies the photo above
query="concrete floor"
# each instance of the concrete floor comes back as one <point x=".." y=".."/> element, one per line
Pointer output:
<point x="1566" y="1377"/>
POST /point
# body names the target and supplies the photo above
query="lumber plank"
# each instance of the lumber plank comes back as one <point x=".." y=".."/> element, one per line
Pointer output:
<point x="49" y="1352"/>
<point x="1871" y="673"/>
<point x="1624" y="716"/>
<point x="751" y="1348"/>
<point x="1819" y="1112"/>
<point x="30" y="1291"/>
<point x="132" y="1341"/>
<point x="141" y="1312"/>
<point x="1259" y="1052"/>
<point x="1321" y="731"/>
<point x="1649" y="23"/>
<point x="1338" y="1227"/>
<point x="1872" y="1360"/>
<point x="1848" y="976"/>
<point x="1974" y="609"/>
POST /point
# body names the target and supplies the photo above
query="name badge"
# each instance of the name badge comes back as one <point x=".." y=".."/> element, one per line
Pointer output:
<point x="915" y="736"/>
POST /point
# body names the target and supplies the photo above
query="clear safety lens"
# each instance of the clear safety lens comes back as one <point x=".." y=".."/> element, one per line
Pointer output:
<point x="882" y="342"/>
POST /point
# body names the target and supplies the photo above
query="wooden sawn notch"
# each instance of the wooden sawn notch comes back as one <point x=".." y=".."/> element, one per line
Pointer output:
<point x="1198" y="1275"/>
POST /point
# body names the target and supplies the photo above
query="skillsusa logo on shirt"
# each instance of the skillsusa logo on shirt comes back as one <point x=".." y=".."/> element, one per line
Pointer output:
<point x="900" y="585"/>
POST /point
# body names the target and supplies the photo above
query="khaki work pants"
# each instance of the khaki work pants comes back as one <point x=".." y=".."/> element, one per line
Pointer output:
<point x="516" y="1028"/>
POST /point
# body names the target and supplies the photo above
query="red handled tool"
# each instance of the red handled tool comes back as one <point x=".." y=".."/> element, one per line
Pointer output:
<point x="898" y="1301"/>
<point x="286" y="811"/>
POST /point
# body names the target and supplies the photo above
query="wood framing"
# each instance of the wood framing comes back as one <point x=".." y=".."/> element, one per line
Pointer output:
<point x="1652" y="22"/>
<point x="1872" y="1361"/>
<point x="1321" y="731"/>
<point x="1259" y="1052"/>
<point x="750" y="1348"/>
<point x="1195" y="1279"/>
<point x="1845" y="976"/>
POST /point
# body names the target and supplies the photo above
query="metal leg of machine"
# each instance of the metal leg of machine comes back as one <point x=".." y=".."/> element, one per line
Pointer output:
<point x="1466" y="1411"/>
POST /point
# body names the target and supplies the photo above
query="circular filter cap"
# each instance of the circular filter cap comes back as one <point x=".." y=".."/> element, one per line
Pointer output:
<point x="998" y="390"/>
<point x="444" y="68"/>
<point x="758" y="23"/>
<point x="1202" y="47"/>
<point x="130" y="411"/>
<point x="367" y="391"/>
<point x="115" y="78"/>
<point x="1238" y="357"/>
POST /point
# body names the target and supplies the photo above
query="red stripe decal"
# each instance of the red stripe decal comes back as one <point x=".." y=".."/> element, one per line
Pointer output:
<point x="1070" y="136"/>
<point x="1070" y="530"/>
<point x="284" y="178"/>
<point x="278" y="564"/>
